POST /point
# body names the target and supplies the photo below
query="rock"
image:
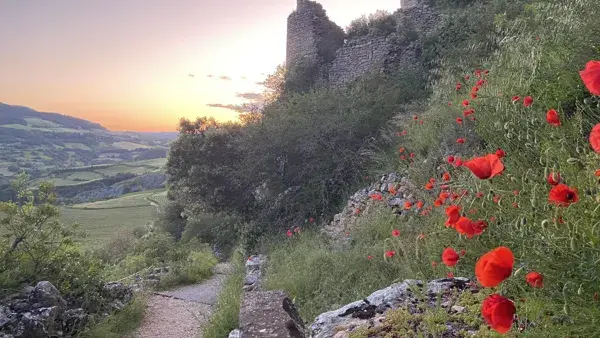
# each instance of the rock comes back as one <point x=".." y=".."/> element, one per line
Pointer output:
<point x="342" y="334"/>
<point x="46" y="295"/>
<point x="118" y="291"/>
<point x="361" y="312"/>
<point x="458" y="309"/>
<point x="251" y="279"/>
<point x="5" y="316"/>
<point x="74" y="320"/>
<point x="235" y="334"/>
<point x="40" y="323"/>
<point x="269" y="314"/>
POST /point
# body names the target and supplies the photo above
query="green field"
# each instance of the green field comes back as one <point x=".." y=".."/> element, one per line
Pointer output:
<point x="137" y="199"/>
<point x="103" y="219"/>
<point x="130" y="145"/>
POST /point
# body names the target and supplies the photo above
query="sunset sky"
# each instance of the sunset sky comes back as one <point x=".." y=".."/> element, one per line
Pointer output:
<point x="125" y="63"/>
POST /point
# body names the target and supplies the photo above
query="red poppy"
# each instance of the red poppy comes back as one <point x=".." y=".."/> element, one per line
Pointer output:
<point x="480" y="82"/>
<point x="395" y="233"/>
<point x="432" y="180"/>
<point x="562" y="195"/>
<point x="535" y="279"/>
<point x="463" y="252"/>
<point x="516" y="192"/>
<point x="475" y="89"/>
<point x="289" y="233"/>
<point x="468" y="112"/>
<point x="498" y="312"/>
<point x="453" y="214"/>
<point x="421" y="236"/>
<point x="478" y="72"/>
<point x="434" y="264"/>
<point x="392" y="190"/>
<point x="357" y="211"/>
<point x="450" y="257"/>
<point x="403" y="157"/>
<point x="412" y="155"/>
<point x="460" y="140"/>
<point x="369" y="257"/>
<point x="595" y="138"/>
<point x="450" y="159"/>
<point x="459" y="120"/>
<point x="415" y="117"/>
<point x="553" y="178"/>
<point x="552" y="118"/>
<point x="376" y="196"/>
<point x="515" y="205"/>
<point x="446" y="176"/>
<point x="444" y="196"/>
<point x="479" y="194"/>
<point x="486" y="72"/>
<point x="494" y="267"/>
<point x="407" y="205"/>
<point x="297" y="230"/>
<point x="458" y="86"/>
<point x="450" y="275"/>
<point x="485" y="167"/>
<point x="419" y="204"/>
<point x="467" y="77"/>
<point x="438" y="202"/>
<point x="469" y="228"/>
<point x="591" y="77"/>
<point x="515" y="99"/>
<point x="390" y="253"/>
<point x="458" y="162"/>
<point x="428" y="186"/>
<point x="465" y="103"/>
<point x="597" y="172"/>
<point x="473" y="95"/>
<point x="401" y="150"/>
<point x="311" y="220"/>
<point x="500" y="153"/>
<point x="421" y="122"/>
<point x="444" y="187"/>
<point x="528" y="101"/>
<point x="497" y="198"/>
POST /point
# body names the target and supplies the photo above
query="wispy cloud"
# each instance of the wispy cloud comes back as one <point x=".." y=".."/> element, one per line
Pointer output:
<point x="224" y="78"/>
<point x="261" y="83"/>
<point x="240" y="108"/>
<point x="209" y="75"/>
<point x="249" y="96"/>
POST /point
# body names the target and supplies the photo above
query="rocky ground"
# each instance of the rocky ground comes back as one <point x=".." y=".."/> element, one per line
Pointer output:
<point x="180" y="313"/>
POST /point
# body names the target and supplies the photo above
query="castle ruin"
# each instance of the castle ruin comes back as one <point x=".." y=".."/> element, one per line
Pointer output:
<point x="315" y="41"/>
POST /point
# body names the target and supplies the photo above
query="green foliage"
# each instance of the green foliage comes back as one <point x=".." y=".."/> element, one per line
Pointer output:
<point x="225" y="317"/>
<point x="121" y="323"/>
<point x="35" y="246"/>
<point x="171" y="220"/>
<point x="379" y="23"/>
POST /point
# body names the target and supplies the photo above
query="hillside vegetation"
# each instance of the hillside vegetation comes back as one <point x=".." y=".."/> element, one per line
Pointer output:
<point x="498" y="128"/>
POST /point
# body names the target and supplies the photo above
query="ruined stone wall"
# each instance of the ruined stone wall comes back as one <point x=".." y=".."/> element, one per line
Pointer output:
<point x="311" y="37"/>
<point x="358" y="57"/>
<point x="314" y="40"/>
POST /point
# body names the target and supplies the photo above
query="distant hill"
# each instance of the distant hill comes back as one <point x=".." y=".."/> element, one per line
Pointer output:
<point x="56" y="147"/>
<point x="24" y="116"/>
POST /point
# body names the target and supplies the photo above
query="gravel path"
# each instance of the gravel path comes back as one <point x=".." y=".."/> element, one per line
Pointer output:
<point x="181" y="312"/>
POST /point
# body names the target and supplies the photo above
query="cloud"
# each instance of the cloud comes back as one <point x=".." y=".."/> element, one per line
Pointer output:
<point x="261" y="83"/>
<point x="249" y="96"/>
<point x="239" y="108"/>
<point x="209" y="75"/>
<point x="224" y="78"/>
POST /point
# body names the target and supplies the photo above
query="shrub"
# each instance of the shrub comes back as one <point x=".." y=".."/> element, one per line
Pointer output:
<point x="120" y="323"/>
<point x="379" y="23"/>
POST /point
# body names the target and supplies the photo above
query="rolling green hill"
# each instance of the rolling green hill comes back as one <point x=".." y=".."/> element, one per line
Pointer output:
<point x="78" y="156"/>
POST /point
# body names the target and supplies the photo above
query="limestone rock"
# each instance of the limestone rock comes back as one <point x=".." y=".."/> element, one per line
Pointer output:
<point x="369" y="311"/>
<point x="269" y="314"/>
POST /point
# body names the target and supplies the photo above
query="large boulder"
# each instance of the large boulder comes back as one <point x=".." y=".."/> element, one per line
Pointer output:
<point x="46" y="295"/>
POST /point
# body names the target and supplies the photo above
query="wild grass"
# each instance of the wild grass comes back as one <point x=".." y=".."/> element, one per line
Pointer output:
<point x="225" y="317"/>
<point x="540" y="55"/>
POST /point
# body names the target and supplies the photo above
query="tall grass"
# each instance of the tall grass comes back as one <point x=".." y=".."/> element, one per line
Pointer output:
<point x="225" y="317"/>
<point x="121" y="323"/>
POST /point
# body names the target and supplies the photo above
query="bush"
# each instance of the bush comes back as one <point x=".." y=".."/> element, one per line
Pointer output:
<point x="36" y="247"/>
<point x="378" y="23"/>
<point x="171" y="220"/>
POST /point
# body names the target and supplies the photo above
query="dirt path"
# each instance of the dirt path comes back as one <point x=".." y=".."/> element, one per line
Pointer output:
<point x="181" y="312"/>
